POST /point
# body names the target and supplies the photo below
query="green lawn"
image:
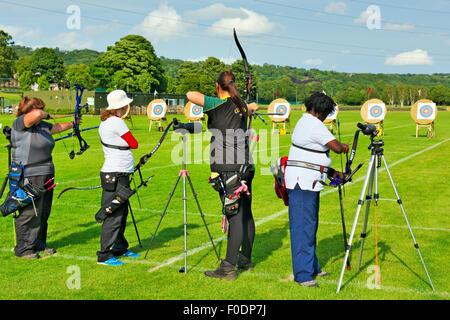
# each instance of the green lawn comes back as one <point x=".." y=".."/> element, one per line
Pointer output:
<point x="419" y="167"/>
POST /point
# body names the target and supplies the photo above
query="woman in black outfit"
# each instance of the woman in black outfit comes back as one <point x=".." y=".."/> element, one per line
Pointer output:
<point x="231" y="168"/>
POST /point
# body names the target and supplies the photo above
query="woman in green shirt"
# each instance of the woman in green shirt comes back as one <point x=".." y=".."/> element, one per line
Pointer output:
<point x="231" y="162"/>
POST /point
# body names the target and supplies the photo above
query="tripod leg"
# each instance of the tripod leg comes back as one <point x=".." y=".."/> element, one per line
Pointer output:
<point x="366" y="217"/>
<point x="343" y="223"/>
<point x="352" y="233"/>
<point x="162" y="215"/>
<point x="399" y="201"/>
<point x="203" y="217"/>
<point x="135" y="226"/>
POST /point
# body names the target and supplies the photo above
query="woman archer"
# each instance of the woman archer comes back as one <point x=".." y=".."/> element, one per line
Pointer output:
<point x="231" y="169"/>
<point x="117" y="141"/>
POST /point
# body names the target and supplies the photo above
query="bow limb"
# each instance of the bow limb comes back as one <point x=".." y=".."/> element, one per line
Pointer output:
<point x="246" y="66"/>
<point x="77" y="188"/>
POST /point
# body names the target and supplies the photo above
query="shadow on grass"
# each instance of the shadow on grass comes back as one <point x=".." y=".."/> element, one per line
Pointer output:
<point x="383" y="249"/>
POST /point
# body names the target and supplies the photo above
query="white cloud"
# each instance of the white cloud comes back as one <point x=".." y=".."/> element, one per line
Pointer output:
<point x="21" y="34"/>
<point x="415" y="57"/>
<point x="363" y="17"/>
<point x="336" y="7"/>
<point x="215" y="11"/>
<point x="313" y="62"/>
<point x="246" y="22"/>
<point x="398" y="27"/>
<point x="70" y="41"/>
<point x="162" y="24"/>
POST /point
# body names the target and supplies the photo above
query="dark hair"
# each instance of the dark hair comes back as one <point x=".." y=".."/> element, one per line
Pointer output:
<point x="27" y="104"/>
<point x="320" y="103"/>
<point x="227" y="82"/>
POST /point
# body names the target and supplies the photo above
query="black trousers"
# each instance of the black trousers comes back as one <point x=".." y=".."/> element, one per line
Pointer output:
<point x="31" y="225"/>
<point x="112" y="240"/>
<point x="241" y="226"/>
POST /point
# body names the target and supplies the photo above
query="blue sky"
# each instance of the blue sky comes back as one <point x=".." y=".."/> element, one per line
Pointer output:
<point x="377" y="36"/>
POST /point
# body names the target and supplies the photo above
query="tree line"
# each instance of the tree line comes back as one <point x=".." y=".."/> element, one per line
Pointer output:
<point x="131" y="64"/>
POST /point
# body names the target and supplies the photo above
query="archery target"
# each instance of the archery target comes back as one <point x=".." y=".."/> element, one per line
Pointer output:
<point x="282" y="109"/>
<point x="196" y="111"/>
<point x="426" y="111"/>
<point x="281" y="106"/>
<point x="376" y="111"/>
<point x="158" y="110"/>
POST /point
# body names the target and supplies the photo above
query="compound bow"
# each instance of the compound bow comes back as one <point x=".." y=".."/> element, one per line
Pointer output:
<point x="76" y="131"/>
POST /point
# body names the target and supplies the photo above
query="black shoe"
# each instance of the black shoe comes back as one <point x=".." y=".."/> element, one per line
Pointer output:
<point x="225" y="271"/>
<point x="30" y="256"/>
<point x="244" y="263"/>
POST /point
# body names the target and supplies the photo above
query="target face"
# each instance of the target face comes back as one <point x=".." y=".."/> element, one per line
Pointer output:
<point x="376" y="111"/>
<point x="196" y="111"/>
<point x="282" y="109"/>
<point x="158" y="109"/>
<point x="426" y="111"/>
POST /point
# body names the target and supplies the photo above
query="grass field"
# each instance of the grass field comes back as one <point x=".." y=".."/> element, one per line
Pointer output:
<point x="419" y="167"/>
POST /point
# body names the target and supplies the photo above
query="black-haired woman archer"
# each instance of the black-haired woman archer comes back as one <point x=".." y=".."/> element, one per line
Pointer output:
<point x="307" y="168"/>
<point x="232" y="170"/>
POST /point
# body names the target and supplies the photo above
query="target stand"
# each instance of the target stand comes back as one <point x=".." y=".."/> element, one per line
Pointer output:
<point x="373" y="111"/>
<point x="330" y="120"/>
<point x="127" y="116"/>
<point x="424" y="112"/>
<point x="156" y="112"/>
<point x="194" y="113"/>
<point x="283" y="108"/>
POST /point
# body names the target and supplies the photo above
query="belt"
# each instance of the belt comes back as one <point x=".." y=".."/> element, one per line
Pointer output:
<point x="311" y="150"/>
<point x="307" y="165"/>
<point x="115" y="147"/>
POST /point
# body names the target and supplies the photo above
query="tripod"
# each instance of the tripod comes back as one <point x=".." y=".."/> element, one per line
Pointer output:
<point x="185" y="174"/>
<point x="371" y="181"/>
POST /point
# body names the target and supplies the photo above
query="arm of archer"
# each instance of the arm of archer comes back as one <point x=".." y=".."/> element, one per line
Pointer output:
<point x="34" y="117"/>
<point x="196" y="98"/>
<point x="337" y="147"/>
<point x="61" y="127"/>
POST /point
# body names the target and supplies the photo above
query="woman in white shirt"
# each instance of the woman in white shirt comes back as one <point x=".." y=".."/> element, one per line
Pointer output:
<point x="117" y="142"/>
<point x="308" y="165"/>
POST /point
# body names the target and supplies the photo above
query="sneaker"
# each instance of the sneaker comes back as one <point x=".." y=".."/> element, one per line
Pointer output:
<point x="130" y="254"/>
<point x="225" y="271"/>
<point x="111" y="262"/>
<point x="321" y="274"/>
<point x="244" y="263"/>
<point x="310" y="284"/>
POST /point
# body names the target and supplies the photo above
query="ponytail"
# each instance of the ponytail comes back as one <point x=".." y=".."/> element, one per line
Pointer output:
<point x="227" y="82"/>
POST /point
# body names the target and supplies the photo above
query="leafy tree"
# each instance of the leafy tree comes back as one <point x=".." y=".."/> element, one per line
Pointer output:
<point x="43" y="83"/>
<point x="22" y="64"/>
<point x="7" y="55"/>
<point x="440" y="95"/>
<point x="80" y="74"/>
<point x="131" y="64"/>
<point x="26" y="79"/>
<point x="45" y="61"/>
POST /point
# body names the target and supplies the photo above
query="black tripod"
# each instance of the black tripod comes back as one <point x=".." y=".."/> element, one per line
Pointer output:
<point x="371" y="180"/>
<point x="185" y="174"/>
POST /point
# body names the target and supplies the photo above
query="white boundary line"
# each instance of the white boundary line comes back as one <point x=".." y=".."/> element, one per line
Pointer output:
<point x="357" y="284"/>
